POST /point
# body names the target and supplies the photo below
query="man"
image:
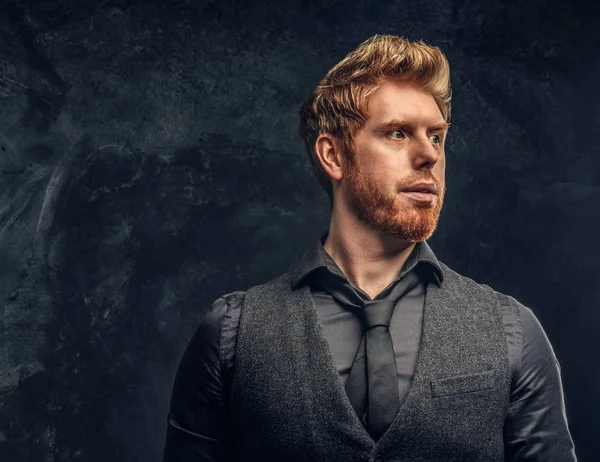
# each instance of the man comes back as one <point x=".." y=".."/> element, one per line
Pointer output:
<point x="370" y="348"/>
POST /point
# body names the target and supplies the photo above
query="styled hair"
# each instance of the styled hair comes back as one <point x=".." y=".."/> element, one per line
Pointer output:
<point x="339" y="104"/>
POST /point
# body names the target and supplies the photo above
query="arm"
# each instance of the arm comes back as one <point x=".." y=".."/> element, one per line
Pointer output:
<point x="536" y="423"/>
<point x="197" y="424"/>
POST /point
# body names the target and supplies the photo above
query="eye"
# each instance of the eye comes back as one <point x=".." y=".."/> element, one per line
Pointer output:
<point x="435" y="138"/>
<point x="397" y="134"/>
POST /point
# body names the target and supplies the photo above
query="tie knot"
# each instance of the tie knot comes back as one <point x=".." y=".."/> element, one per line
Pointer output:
<point x="377" y="313"/>
<point x="372" y="313"/>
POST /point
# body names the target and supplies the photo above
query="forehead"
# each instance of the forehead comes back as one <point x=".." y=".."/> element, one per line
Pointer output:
<point x="402" y="100"/>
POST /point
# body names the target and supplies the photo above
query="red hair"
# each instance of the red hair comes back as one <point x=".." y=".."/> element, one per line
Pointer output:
<point x="339" y="104"/>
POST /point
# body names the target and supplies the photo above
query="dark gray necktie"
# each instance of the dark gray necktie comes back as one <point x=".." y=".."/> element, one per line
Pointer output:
<point x="372" y="386"/>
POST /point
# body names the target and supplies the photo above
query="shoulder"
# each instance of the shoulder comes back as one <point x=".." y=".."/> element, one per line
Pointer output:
<point x="455" y="277"/>
<point x="212" y="320"/>
<point x="535" y="348"/>
<point x="522" y="321"/>
<point x="278" y="283"/>
<point x="517" y="316"/>
<point x="216" y="326"/>
<point x="222" y="318"/>
<point x="528" y="345"/>
<point x="230" y="301"/>
<point x="507" y="304"/>
<point x="222" y="322"/>
<point x="210" y="351"/>
<point x="530" y="351"/>
<point x="460" y="283"/>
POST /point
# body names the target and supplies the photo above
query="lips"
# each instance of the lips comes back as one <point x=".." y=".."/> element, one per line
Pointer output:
<point x="421" y="188"/>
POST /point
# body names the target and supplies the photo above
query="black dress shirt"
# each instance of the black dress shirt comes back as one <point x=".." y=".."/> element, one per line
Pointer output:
<point x="199" y="423"/>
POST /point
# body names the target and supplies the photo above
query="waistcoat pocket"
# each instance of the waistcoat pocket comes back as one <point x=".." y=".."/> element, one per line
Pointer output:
<point x="462" y="384"/>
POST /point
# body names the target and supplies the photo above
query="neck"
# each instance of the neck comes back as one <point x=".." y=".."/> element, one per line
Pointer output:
<point x="369" y="258"/>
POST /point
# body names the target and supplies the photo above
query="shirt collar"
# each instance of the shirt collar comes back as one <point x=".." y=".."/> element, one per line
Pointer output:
<point x="316" y="257"/>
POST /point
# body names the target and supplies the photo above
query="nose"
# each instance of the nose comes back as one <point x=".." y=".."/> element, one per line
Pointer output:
<point x="424" y="153"/>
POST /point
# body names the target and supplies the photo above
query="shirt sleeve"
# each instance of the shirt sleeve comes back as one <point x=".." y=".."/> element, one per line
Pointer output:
<point x="536" y="423"/>
<point x="198" y="426"/>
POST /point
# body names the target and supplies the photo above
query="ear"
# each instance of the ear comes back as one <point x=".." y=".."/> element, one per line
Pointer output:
<point x="329" y="153"/>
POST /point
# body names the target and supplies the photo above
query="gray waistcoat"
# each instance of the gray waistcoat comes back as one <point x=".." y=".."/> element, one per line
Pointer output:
<point x="288" y="403"/>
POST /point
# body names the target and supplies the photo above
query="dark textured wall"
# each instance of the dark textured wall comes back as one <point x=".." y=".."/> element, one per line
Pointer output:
<point x="150" y="163"/>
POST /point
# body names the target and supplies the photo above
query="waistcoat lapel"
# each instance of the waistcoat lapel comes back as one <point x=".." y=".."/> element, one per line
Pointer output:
<point x="458" y="398"/>
<point x="286" y="387"/>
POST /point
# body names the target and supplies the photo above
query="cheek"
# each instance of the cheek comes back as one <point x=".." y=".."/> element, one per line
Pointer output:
<point x="439" y="169"/>
<point x="375" y="155"/>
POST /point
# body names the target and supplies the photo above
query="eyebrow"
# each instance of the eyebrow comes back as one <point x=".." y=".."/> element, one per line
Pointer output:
<point x="403" y="123"/>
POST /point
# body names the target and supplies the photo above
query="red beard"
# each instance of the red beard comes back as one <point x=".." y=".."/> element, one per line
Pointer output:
<point x="410" y="220"/>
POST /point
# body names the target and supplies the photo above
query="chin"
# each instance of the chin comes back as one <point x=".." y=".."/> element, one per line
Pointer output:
<point x="417" y="236"/>
<point x="415" y="228"/>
